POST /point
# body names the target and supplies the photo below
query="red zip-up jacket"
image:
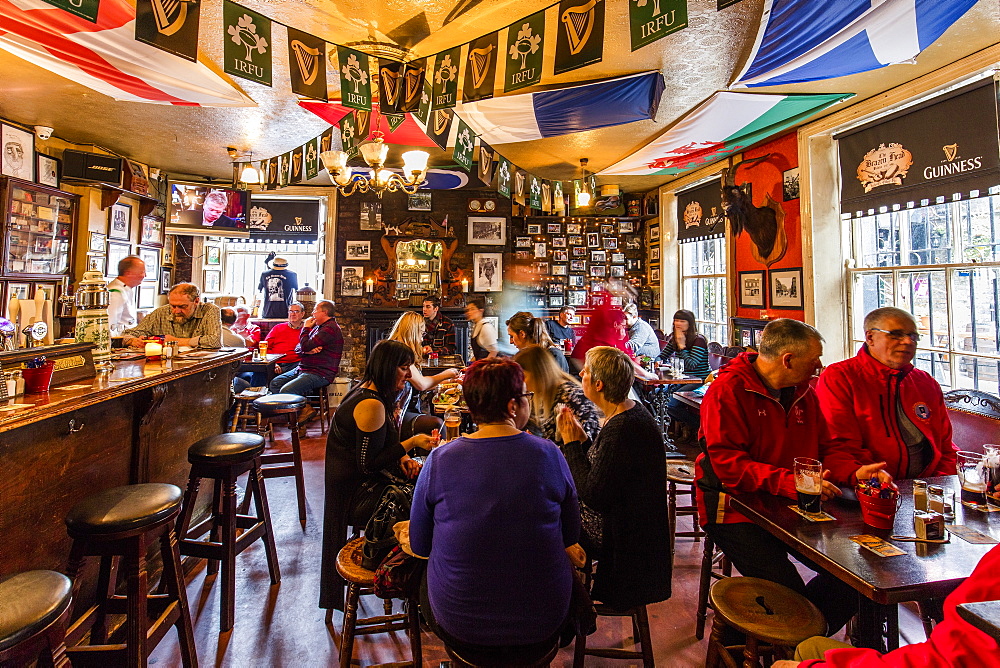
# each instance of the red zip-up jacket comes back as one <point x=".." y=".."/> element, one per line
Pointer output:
<point x="954" y="643"/>
<point x="858" y="400"/>
<point x="751" y="441"/>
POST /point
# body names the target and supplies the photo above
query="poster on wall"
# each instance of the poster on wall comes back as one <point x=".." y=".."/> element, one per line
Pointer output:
<point x="351" y="283"/>
<point x="487" y="231"/>
<point x="18" y="158"/>
<point x="489" y="272"/>
<point x="751" y="289"/>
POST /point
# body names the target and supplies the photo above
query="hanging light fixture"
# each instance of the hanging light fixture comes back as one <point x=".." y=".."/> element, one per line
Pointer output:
<point x="380" y="180"/>
<point x="249" y="175"/>
<point x="584" y="195"/>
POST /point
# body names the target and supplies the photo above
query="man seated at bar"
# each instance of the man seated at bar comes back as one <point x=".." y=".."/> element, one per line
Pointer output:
<point x="230" y="339"/>
<point x="284" y="337"/>
<point x="758" y="416"/>
<point x="121" y="298"/>
<point x="559" y="329"/>
<point x="881" y="408"/>
<point x="184" y="319"/>
<point x="641" y="337"/>
<point x="321" y="344"/>
<point x="439" y="336"/>
<point x="246" y="329"/>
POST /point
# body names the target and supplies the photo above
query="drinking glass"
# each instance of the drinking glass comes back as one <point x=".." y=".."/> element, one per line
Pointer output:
<point x="970" y="467"/>
<point x="991" y="473"/>
<point x="452" y="423"/>
<point x="809" y="484"/>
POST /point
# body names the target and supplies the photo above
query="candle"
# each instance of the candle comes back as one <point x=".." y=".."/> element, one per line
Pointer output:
<point x="465" y="285"/>
<point x="369" y="286"/>
<point x="153" y="350"/>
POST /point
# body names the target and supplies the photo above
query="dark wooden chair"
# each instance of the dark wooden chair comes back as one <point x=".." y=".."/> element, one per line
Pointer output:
<point x="680" y="473"/>
<point x="640" y="634"/>
<point x="34" y="611"/>
<point x="283" y="409"/>
<point x="714" y="566"/>
<point x="975" y="418"/>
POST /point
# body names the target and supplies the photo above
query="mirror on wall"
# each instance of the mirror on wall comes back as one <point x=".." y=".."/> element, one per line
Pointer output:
<point x="418" y="267"/>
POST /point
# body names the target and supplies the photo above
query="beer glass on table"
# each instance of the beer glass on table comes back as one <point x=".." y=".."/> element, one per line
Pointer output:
<point x="452" y="422"/>
<point x="809" y="484"/>
<point x="991" y="474"/>
<point x="972" y="476"/>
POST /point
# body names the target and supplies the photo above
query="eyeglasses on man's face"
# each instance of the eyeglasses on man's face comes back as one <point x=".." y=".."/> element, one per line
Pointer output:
<point x="898" y="334"/>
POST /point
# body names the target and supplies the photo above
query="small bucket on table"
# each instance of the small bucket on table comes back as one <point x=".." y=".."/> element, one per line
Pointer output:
<point x="878" y="512"/>
<point x="38" y="380"/>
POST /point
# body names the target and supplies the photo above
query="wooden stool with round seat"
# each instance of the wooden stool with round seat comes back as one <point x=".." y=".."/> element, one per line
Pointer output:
<point x="711" y="559"/>
<point x="320" y="400"/>
<point x="681" y="472"/>
<point x="119" y="525"/>
<point x="360" y="581"/>
<point x="224" y="458"/>
<point x="34" y="611"/>
<point x="465" y="658"/>
<point x="284" y="409"/>
<point x="773" y="617"/>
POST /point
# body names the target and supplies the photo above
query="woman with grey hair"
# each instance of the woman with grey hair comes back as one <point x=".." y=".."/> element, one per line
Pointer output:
<point x="625" y="481"/>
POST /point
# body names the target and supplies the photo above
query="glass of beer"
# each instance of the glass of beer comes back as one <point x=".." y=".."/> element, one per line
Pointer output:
<point x="809" y="484"/>
<point x="452" y="422"/>
<point x="991" y="471"/>
<point x="971" y="474"/>
<point x="262" y="346"/>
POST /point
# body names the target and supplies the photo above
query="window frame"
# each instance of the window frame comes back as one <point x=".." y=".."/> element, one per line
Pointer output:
<point x="722" y="324"/>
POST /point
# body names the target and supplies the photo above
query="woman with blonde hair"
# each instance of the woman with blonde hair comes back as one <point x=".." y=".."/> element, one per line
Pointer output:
<point x="409" y="330"/>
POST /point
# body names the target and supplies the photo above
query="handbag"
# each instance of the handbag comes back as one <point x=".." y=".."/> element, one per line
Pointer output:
<point x="399" y="574"/>
<point x="393" y="506"/>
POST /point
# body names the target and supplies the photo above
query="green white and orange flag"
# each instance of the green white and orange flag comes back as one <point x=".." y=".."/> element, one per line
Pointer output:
<point x="724" y="124"/>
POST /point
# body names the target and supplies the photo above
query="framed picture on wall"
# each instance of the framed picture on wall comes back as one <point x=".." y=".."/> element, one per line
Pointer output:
<point x="420" y="201"/>
<point x="151" y="257"/>
<point x="48" y="170"/>
<point x="120" y="222"/>
<point x="654" y="233"/>
<point x="522" y="242"/>
<point x="626" y="227"/>
<point x="152" y="231"/>
<point x="487" y="231"/>
<point x="790" y="184"/>
<point x="654" y="276"/>
<point x="560" y="255"/>
<point x="167" y="253"/>
<point x="147" y="296"/>
<point x="593" y="240"/>
<point x="166" y="279"/>
<point x="351" y="283"/>
<point x="654" y="254"/>
<point x="534" y="228"/>
<point x="18" y="157"/>
<point x="541" y="250"/>
<point x="554" y="228"/>
<point x="576" y="298"/>
<point x="573" y="228"/>
<point x="97" y="240"/>
<point x="97" y="263"/>
<point x="213" y="255"/>
<point x="751" y="289"/>
<point x="556" y="301"/>
<point x="786" y="288"/>
<point x="489" y="272"/>
<point x="213" y="280"/>
<point x="117" y="251"/>
<point x="358" y="250"/>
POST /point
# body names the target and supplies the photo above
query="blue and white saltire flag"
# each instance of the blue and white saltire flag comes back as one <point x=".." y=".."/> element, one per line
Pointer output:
<point x="551" y="113"/>
<point x="811" y="40"/>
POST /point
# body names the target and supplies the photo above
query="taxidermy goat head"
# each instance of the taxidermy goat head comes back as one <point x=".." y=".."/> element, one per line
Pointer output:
<point x="764" y="224"/>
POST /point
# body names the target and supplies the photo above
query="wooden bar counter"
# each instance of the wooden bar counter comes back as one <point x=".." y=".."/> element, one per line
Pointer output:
<point x="130" y="426"/>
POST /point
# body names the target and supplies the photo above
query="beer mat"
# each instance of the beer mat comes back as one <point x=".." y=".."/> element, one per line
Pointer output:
<point x="971" y="535"/>
<point x="813" y="517"/>
<point x="877" y="545"/>
<point x="982" y="509"/>
<point x="129" y="356"/>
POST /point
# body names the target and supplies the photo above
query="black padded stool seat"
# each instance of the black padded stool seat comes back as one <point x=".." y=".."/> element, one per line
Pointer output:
<point x="229" y="448"/>
<point x="121" y="509"/>
<point x="29" y="602"/>
<point x="466" y="658"/>
<point x="277" y="403"/>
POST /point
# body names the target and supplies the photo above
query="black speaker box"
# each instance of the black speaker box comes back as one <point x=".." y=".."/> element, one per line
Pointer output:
<point x="92" y="167"/>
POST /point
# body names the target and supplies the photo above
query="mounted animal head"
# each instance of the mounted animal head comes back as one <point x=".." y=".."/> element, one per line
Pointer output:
<point x="759" y="222"/>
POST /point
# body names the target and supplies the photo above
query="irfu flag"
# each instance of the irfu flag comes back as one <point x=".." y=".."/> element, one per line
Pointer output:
<point x="503" y="176"/>
<point x="465" y="142"/>
<point x="362" y="125"/>
<point x="534" y="192"/>
<point x="312" y="158"/>
<point x="486" y="163"/>
<point x="348" y="134"/>
<point x="306" y="64"/>
<point x="247" y="49"/>
<point x="171" y="26"/>
<point x="390" y="86"/>
<point x="85" y="9"/>
<point x="440" y="126"/>
<point x="480" y="68"/>
<point x="284" y="162"/>
<point x="413" y="85"/>
<point x="296" y="173"/>
<point x="558" y="202"/>
<point x="326" y="141"/>
<point x="445" y="85"/>
<point x="524" y="52"/>
<point x="394" y="121"/>
<point x="424" y="112"/>
<point x="355" y="84"/>
<point x="651" y="20"/>
<point x="580" y="36"/>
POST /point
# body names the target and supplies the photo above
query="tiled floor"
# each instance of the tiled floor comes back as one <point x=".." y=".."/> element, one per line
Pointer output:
<point x="282" y="626"/>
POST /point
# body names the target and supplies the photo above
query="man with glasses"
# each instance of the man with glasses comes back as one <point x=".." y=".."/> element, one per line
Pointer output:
<point x="284" y="336"/>
<point x="881" y="408"/>
<point x="184" y="319"/>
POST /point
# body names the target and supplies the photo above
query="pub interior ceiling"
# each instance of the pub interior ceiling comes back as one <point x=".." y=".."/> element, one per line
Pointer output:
<point x="695" y="62"/>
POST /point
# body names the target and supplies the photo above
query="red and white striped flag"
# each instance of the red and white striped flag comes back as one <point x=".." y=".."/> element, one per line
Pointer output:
<point x="106" y="57"/>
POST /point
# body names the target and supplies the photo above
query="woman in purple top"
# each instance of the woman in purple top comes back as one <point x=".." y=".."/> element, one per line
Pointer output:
<point x="494" y="511"/>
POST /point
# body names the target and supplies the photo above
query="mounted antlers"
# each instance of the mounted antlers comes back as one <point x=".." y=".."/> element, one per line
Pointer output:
<point x="764" y="224"/>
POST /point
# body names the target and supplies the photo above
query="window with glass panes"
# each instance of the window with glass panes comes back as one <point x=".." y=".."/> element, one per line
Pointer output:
<point x="245" y="264"/>
<point x="942" y="264"/>
<point x="703" y="287"/>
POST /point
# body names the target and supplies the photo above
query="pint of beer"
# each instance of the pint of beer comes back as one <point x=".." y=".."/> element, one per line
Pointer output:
<point x="809" y="484"/>
<point x="262" y="346"/>
<point x="970" y="467"/>
<point x="452" y="422"/>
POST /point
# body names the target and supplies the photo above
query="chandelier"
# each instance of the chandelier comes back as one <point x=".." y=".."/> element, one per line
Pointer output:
<point x="379" y="180"/>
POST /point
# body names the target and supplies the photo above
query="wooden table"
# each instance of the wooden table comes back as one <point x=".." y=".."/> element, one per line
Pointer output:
<point x="691" y="399"/>
<point x="984" y="615"/>
<point x="925" y="571"/>
<point x="264" y="366"/>
<point x="654" y="395"/>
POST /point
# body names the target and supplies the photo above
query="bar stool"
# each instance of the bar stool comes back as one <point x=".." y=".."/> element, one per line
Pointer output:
<point x="360" y="581"/>
<point x="681" y="472"/>
<point x="33" y="617"/>
<point x="773" y="617"/>
<point x="320" y="400"/>
<point x="284" y="409"/>
<point x="119" y="525"/>
<point x="466" y="658"/>
<point x="224" y="458"/>
<point x="640" y="632"/>
<point x="710" y="557"/>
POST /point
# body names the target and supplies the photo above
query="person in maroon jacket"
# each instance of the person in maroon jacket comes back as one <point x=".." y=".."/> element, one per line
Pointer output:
<point x="758" y="416"/>
<point x="321" y="344"/>
<point x="881" y="408"/>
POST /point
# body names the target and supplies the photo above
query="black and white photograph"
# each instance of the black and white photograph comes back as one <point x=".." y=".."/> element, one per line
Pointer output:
<point x="598" y="270"/>
<point x="351" y="281"/>
<point x="654" y="254"/>
<point x="560" y="255"/>
<point x="371" y="215"/>
<point x="559" y="242"/>
<point x="556" y="288"/>
<point x="151" y="232"/>
<point x="18" y="158"/>
<point x="522" y="255"/>
<point x="654" y="233"/>
<point x="633" y="264"/>
<point x="120" y="221"/>
<point x="599" y="256"/>
<point x="97" y="240"/>
<point x="537" y="300"/>
<point x="654" y="275"/>
<point x="607" y="228"/>
<point x="487" y="230"/>
<point x="576" y="298"/>
<point x="790" y="184"/>
<point x="151" y="258"/>
<point x="534" y="228"/>
<point x="578" y="265"/>
<point x="751" y="289"/>
<point x="48" y="170"/>
<point x="577" y="281"/>
<point x="576" y="240"/>
<point x="522" y="242"/>
<point x="541" y="250"/>
<point x="553" y="228"/>
<point x="358" y="250"/>
<point x="633" y="243"/>
<point x="786" y="288"/>
<point x="626" y="227"/>
<point x="419" y="201"/>
<point x="617" y="271"/>
<point x="560" y="270"/>
<point x="166" y="279"/>
<point x="542" y="268"/>
<point x="556" y="301"/>
<point x="593" y="240"/>
<point x="489" y="272"/>
<point x="213" y="281"/>
<point x="117" y="251"/>
<point x="573" y="228"/>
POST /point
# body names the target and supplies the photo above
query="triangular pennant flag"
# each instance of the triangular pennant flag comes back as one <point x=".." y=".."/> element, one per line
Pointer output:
<point x="390" y="85"/>
<point x="503" y="176"/>
<point x="312" y="158"/>
<point x="355" y="82"/>
<point x="525" y="49"/>
<point x="481" y="68"/>
<point x="348" y="134"/>
<point x="362" y="125"/>
<point x="85" y="9"/>
<point x="546" y="196"/>
<point x="394" y="121"/>
<point x="440" y="127"/>
<point x="520" y="186"/>
<point x="284" y="162"/>
<point x="413" y="85"/>
<point x="444" y="93"/>
<point x="650" y="21"/>
<point x="534" y="191"/>
<point x="167" y="25"/>
<point x="424" y="112"/>
<point x="465" y="142"/>
<point x="580" y="37"/>
<point x="297" y="166"/>
<point x="326" y="141"/>
<point x="722" y="4"/>
<point x="247" y="49"/>
<point x="307" y="64"/>
<point x="486" y="163"/>
<point x="272" y="174"/>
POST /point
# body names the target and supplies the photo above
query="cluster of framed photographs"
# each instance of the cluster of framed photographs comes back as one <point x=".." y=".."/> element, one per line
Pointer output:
<point x="654" y="253"/>
<point x="155" y="248"/>
<point x="20" y="160"/>
<point x="771" y="289"/>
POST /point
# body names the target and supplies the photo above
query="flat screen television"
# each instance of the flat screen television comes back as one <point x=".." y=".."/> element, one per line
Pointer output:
<point x="208" y="210"/>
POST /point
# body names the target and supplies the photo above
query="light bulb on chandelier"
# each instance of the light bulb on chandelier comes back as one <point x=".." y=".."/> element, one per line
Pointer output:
<point x="379" y="180"/>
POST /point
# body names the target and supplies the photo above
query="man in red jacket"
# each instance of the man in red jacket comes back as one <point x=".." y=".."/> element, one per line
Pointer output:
<point x="880" y="408"/>
<point x="757" y="416"/>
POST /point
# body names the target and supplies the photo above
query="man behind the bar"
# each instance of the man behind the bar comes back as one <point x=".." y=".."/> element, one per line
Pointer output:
<point x="757" y="416"/>
<point x="879" y="407"/>
<point x="439" y="337"/>
<point x="121" y="300"/>
<point x="321" y="344"/>
<point x="184" y="319"/>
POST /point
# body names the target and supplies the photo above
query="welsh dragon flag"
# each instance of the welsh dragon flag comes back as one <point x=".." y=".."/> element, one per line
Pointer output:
<point x="106" y="57"/>
<point x="724" y="124"/>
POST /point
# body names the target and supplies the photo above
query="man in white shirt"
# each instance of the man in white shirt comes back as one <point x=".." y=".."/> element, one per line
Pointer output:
<point x="121" y="304"/>
<point x="230" y="339"/>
